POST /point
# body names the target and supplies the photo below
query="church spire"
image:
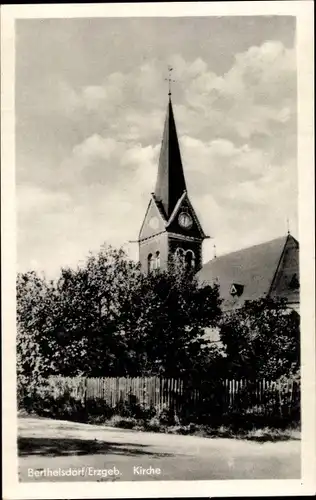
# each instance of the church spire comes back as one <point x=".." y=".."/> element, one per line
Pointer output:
<point x="170" y="183"/>
<point x="171" y="228"/>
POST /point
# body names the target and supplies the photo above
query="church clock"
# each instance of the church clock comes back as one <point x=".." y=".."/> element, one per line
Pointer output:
<point x="185" y="220"/>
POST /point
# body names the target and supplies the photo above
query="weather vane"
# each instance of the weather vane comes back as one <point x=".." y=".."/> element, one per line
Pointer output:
<point x="169" y="80"/>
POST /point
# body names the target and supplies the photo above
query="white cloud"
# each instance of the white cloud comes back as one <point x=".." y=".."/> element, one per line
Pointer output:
<point x="222" y="163"/>
<point x="258" y="91"/>
<point x="109" y="185"/>
<point x="237" y="136"/>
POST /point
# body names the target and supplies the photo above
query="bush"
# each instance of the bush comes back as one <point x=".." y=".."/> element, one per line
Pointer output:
<point x="123" y="422"/>
<point x="133" y="409"/>
<point x="185" y="429"/>
<point x="154" y="425"/>
<point x="98" y="411"/>
<point x="168" y="417"/>
<point x="261" y="339"/>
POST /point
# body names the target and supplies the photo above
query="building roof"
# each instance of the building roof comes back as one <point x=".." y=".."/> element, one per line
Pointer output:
<point x="249" y="273"/>
<point x="170" y="180"/>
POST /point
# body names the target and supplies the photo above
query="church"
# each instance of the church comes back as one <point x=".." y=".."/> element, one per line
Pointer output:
<point x="171" y="229"/>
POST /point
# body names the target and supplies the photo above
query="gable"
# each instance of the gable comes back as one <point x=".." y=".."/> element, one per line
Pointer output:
<point x="249" y="271"/>
<point x="184" y="207"/>
<point x="286" y="279"/>
<point x="153" y="222"/>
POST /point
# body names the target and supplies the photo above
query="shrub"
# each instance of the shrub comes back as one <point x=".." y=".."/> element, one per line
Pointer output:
<point x="261" y="339"/>
<point x="154" y="425"/>
<point x="98" y="411"/>
<point x="185" y="429"/>
<point x="168" y="417"/>
<point x="123" y="422"/>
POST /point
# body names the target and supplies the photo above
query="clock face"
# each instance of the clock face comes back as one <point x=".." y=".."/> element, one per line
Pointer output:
<point x="154" y="223"/>
<point x="185" y="220"/>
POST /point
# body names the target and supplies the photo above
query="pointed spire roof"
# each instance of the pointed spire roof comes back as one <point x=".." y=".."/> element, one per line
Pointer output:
<point x="170" y="183"/>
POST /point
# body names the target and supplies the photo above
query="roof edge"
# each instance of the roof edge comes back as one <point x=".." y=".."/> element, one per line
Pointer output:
<point x="250" y="246"/>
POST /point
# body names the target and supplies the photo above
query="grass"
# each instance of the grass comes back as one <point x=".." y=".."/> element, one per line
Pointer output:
<point x="259" y="435"/>
<point x="234" y="428"/>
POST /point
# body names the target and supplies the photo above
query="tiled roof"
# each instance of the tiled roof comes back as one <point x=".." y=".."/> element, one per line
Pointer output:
<point x="253" y="268"/>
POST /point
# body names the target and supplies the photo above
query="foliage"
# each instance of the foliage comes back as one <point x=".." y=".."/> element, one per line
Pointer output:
<point x="34" y="310"/>
<point x="164" y="322"/>
<point x="262" y="340"/>
<point x="107" y="318"/>
<point x="70" y="326"/>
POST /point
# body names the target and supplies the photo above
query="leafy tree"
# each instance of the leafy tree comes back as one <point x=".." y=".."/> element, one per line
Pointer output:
<point x="164" y="323"/>
<point x="89" y="309"/>
<point x="34" y="309"/>
<point x="261" y="339"/>
<point x="69" y="326"/>
<point x="106" y="318"/>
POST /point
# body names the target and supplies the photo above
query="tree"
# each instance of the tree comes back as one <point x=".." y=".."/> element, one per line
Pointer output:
<point x="34" y="309"/>
<point x="70" y="326"/>
<point x="90" y="303"/>
<point x="105" y="318"/>
<point x="261" y="339"/>
<point x="164" y="323"/>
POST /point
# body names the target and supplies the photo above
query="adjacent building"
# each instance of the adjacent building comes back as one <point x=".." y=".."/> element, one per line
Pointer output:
<point x="270" y="269"/>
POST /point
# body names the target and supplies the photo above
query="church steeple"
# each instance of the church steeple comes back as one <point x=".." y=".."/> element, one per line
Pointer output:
<point x="170" y="229"/>
<point x="170" y="183"/>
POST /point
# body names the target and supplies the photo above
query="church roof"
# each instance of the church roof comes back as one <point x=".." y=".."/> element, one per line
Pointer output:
<point x="170" y="180"/>
<point x="249" y="273"/>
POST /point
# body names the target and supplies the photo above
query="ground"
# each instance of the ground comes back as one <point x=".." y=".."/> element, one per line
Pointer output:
<point x="47" y="445"/>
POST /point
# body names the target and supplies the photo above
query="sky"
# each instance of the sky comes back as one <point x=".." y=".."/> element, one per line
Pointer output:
<point x="91" y="98"/>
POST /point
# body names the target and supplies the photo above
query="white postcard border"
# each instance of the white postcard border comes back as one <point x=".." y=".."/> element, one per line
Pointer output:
<point x="306" y="485"/>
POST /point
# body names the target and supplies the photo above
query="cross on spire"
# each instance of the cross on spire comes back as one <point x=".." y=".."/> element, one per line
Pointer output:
<point x="169" y="80"/>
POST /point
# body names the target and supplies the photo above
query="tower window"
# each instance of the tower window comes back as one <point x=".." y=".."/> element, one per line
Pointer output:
<point x="190" y="259"/>
<point x="157" y="260"/>
<point x="150" y="262"/>
<point x="179" y="254"/>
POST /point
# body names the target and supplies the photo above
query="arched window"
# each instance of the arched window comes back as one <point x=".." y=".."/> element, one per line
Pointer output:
<point x="150" y="262"/>
<point x="179" y="254"/>
<point x="190" y="259"/>
<point x="157" y="260"/>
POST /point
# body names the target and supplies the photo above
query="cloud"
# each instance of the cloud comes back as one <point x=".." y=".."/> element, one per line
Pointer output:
<point x="111" y="163"/>
<point x="238" y="140"/>
<point x="103" y="197"/>
<point x="219" y="164"/>
<point x="242" y="196"/>
<point x="259" y="89"/>
<point x="255" y="96"/>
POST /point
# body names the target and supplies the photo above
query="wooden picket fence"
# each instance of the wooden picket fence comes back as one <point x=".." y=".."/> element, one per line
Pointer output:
<point x="244" y="396"/>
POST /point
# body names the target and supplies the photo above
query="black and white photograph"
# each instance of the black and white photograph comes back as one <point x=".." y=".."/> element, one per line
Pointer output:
<point x="159" y="232"/>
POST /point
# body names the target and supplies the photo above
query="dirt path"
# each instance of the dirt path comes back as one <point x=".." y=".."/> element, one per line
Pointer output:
<point x="89" y="453"/>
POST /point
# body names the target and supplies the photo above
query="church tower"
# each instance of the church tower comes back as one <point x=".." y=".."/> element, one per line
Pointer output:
<point x="170" y="227"/>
